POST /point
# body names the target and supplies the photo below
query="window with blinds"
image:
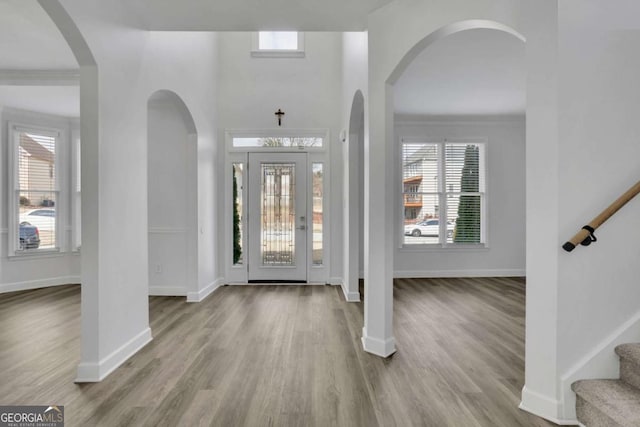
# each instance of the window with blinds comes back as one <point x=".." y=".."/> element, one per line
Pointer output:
<point x="36" y="191"/>
<point x="443" y="192"/>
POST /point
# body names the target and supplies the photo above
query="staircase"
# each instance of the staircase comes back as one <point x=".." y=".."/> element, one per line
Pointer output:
<point x="612" y="403"/>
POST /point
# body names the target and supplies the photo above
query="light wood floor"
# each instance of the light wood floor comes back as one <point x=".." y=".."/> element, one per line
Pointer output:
<point x="282" y="356"/>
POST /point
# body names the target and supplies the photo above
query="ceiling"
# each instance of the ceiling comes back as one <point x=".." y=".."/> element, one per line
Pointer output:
<point x="56" y="100"/>
<point x="29" y="40"/>
<point x="474" y="72"/>
<point x="253" y="15"/>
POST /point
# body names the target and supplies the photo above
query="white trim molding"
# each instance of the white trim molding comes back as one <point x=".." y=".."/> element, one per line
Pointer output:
<point x="348" y="296"/>
<point x="541" y="406"/>
<point x="41" y="283"/>
<point x="600" y="362"/>
<point x="382" y="348"/>
<point x="167" y="291"/>
<point x="206" y="291"/>
<point x="430" y="274"/>
<point x="40" y="77"/>
<point x="96" y="372"/>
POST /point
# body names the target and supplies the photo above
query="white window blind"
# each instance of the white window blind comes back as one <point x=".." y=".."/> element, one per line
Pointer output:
<point x="36" y="191"/>
<point x="443" y="189"/>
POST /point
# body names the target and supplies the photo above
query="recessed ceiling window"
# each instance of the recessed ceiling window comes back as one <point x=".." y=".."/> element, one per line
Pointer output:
<point x="278" y="44"/>
<point x="278" y="40"/>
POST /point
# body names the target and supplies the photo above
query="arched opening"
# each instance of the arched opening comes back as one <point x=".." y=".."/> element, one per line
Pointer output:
<point x="50" y="78"/>
<point x="441" y="130"/>
<point x="354" y="197"/>
<point x="459" y="124"/>
<point x="172" y="195"/>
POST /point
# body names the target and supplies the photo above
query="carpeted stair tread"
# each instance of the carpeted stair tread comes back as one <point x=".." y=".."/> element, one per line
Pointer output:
<point x="630" y="352"/>
<point x="613" y="398"/>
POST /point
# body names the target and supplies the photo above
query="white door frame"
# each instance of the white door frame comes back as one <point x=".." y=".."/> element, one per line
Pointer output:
<point x="237" y="272"/>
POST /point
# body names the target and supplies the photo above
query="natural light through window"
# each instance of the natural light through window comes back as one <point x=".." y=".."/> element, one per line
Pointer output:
<point x="36" y="191"/>
<point x="278" y="40"/>
<point x="443" y="190"/>
<point x="278" y="142"/>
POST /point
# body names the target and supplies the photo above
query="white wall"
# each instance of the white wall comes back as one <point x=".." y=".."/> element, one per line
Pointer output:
<point x="599" y="151"/>
<point x="397" y="33"/>
<point x="354" y="116"/>
<point x="307" y="89"/>
<point x="131" y="65"/>
<point x="34" y="271"/>
<point x="505" y="196"/>
<point x="169" y="64"/>
<point x="172" y="177"/>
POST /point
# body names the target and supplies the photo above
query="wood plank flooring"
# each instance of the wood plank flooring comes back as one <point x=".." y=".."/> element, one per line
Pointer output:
<point x="269" y="355"/>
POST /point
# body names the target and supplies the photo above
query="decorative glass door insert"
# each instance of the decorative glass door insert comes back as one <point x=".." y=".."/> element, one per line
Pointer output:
<point x="278" y="214"/>
<point x="277" y="217"/>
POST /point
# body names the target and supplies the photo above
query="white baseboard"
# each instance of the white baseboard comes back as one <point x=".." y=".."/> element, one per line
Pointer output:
<point x="41" y="283"/>
<point x="167" y="291"/>
<point x="205" y="292"/>
<point x="382" y="348"/>
<point x="543" y="407"/>
<point x="600" y="362"/>
<point x="350" y="296"/>
<point x="96" y="372"/>
<point x="426" y="274"/>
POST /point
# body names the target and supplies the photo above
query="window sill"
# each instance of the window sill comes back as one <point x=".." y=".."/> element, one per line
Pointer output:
<point x="36" y="254"/>
<point x="277" y="53"/>
<point x="438" y="247"/>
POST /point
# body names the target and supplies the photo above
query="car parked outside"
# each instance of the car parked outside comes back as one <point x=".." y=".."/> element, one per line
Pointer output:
<point x="44" y="219"/>
<point x="29" y="237"/>
<point x="429" y="227"/>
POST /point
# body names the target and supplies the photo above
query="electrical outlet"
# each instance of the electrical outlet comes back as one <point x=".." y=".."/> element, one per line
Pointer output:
<point x="158" y="268"/>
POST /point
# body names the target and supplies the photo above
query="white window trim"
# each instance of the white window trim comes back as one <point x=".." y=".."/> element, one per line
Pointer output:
<point x="484" y="224"/>
<point x="13" y="202"/>
<point x="256" y="52"/>
<point x="75" y="194"/>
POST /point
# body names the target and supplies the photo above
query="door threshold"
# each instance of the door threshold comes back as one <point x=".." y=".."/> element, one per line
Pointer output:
<point x="277" y="281"/>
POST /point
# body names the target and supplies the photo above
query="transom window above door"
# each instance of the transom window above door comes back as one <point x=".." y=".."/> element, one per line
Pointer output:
<point x="277" y="140"/>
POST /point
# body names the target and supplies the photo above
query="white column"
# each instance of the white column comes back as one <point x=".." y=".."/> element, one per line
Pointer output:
<point x="377" y="334"/>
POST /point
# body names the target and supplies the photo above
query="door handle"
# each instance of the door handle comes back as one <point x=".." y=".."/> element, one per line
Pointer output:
<point x="302" y="227"/>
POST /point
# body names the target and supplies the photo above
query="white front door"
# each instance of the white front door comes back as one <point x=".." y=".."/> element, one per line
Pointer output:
<point x="277" y="199"/>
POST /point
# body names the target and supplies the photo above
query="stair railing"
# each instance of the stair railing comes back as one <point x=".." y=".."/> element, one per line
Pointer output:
<point x="585" y="236"/>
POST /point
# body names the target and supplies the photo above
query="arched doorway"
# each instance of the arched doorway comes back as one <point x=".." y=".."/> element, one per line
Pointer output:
<point x="380" y="210"/>
<point x="172" y="195"/>
<point x="87" y="207"/>
<point x="354" y="196"/>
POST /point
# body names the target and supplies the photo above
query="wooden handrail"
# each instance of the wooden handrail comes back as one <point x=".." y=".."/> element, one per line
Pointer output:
<point x="585" y="236"/>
